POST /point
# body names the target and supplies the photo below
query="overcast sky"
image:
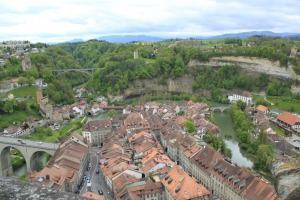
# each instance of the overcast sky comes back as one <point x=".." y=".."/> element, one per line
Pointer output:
<point x="64" y="20"/>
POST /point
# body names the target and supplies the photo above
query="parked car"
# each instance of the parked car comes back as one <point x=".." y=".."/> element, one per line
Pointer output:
<point x="40" y="143"/>
<point x="97" y="172"/>
<point x="23" y="142"/>
<point x="100" y="192"/>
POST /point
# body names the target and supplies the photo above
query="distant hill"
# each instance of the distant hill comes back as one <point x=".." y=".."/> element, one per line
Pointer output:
<point x="76" y="40"/>
<point x="129" y="38"/>
<point x="250" y="33"/>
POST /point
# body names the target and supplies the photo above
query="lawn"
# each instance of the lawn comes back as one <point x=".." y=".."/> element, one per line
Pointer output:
<point x="285" y="105"/>
<point x="149" y="60"/>
<point x="279" y="103"/>
<point x="54" y="137"/>
<point x="18" y="116"/>
<point x="76" y="124"/>
<point x="21" y="92"/>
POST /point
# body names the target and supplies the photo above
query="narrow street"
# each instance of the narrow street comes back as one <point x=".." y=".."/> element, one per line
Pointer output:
<point x="97" y="181"/>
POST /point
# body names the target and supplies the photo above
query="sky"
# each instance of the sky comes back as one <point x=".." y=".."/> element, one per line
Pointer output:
<point x="64" y="20"/>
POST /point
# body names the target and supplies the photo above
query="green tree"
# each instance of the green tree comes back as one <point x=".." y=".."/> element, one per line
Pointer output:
<point x="189" y="125"/>
<point x="112" y="113"/>
<point x="264" y="156"/>
<point x="262" y="137"/>
<point x="30" y="80"/>
<point x="22" y="81"/>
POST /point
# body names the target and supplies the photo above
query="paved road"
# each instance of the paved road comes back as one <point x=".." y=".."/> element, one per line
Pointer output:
<point x="29" y="143"/>
<point x="96" y="179"/>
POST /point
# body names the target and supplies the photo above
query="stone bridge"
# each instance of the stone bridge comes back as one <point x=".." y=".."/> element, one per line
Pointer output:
<point x="219" y="108"/>
<point x="29" y="149"/>
<point x="88" y="71"/>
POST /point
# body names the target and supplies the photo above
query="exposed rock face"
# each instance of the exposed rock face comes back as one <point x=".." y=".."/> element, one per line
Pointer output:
<point x="287" y="177"/>
<point x="182" y="84"/>
<point x="11" y="189"/>
<point x="252" y="64"/>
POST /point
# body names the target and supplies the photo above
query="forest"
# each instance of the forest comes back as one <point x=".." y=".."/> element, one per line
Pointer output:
<point x="162" y="60"/>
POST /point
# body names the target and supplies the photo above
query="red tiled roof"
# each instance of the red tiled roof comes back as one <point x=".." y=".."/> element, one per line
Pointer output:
<point x="288" y="118"/>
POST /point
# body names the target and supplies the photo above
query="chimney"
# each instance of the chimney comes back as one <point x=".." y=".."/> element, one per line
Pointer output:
<point x="47" y="177"/>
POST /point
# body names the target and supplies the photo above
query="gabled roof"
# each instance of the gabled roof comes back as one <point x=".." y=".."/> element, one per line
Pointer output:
<point x="261" y="108"/>
<point x="288" y="118"/>
<point x="182" y="186"/>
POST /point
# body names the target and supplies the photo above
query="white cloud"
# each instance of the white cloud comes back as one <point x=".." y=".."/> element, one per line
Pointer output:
<point x="55" y="21"/>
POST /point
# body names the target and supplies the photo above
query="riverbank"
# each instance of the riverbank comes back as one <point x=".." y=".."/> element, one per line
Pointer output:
<point x="239" y="156"/>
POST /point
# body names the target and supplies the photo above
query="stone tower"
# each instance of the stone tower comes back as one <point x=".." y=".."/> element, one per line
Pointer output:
<point x="135" y="54"/>
<point x="26" y="63"/>
<point x="39" y="95"/>
<point x="294" y="51"/>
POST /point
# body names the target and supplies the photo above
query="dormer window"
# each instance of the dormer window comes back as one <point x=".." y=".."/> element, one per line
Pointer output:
<point x="236" y="181"/>
<point x="242" y="185"/>
<point x="216" y="168"/>
<point x="230" y="177"/>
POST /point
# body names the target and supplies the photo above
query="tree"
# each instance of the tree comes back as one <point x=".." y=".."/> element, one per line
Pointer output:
<point x="30" y="80"/>
<point x="262" y="137"/>
<point x="242" y="105"/>
<point x="22" y="105"/>
<point x="111" y="113"/>
<point x="181" y="112"/>
<point x="264" y="156"/>
<point x="22" y="81"/>
<point x="189" y="125"/>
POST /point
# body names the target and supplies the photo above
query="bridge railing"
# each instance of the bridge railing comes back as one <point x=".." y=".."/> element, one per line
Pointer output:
<point x="52" y="146"/>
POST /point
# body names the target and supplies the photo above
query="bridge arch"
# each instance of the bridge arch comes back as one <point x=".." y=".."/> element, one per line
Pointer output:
<point x="30" y="151"/>
<point x="88" y="71"/>
<point x="221" y="109"/>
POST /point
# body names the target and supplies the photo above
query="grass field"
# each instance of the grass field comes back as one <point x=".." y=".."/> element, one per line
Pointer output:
<point x="149" y="60"/>
<point x="279" y="104"/>
<point x="21" y="92"/>
<point x="43" y="137"/>
<point x="76" y="124"/>
<point x="18" y="116"/>
<point x="283" y="105"/>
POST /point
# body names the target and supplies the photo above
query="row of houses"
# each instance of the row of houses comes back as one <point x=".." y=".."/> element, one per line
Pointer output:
<point x="153" y="147"/>
<point x="65" y="169"/>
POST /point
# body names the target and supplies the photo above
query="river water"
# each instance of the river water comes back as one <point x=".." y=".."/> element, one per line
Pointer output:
<point x="224" y="121"/>
<point x="23" y="170"/>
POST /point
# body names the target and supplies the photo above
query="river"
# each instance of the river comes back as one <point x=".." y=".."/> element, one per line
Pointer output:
<point x="23" y="170"/>
<point x="224" y="121"/>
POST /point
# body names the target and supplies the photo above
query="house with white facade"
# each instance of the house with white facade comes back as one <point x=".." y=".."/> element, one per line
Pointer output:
<point x="236" y="95"/>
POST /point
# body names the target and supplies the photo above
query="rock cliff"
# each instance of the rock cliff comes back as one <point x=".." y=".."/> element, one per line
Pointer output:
<point x="11" y="189"/>
<point x="182" y="84"/>
<point x="287" y="177"/>
<point x="251" y="64"/>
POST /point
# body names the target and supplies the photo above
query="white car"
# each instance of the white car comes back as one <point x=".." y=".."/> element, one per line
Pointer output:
<point x="40" y="143"/>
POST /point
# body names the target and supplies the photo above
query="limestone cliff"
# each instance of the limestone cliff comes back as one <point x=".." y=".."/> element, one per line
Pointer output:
<point x="287" y="177"/>
<point x="182" y="84"/>
<point x="252" y="64"/>
<point x="11" y="189"/>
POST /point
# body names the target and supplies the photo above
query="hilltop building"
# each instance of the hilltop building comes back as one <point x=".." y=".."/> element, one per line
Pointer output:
<point x="136" y="54"/>
<point x="15" y="43"/>
<point x="26" y="63"/>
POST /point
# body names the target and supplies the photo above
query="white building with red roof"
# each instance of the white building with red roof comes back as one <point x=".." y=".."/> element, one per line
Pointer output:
<point x="289" y="120"/>
<point x="236" y="95"/>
